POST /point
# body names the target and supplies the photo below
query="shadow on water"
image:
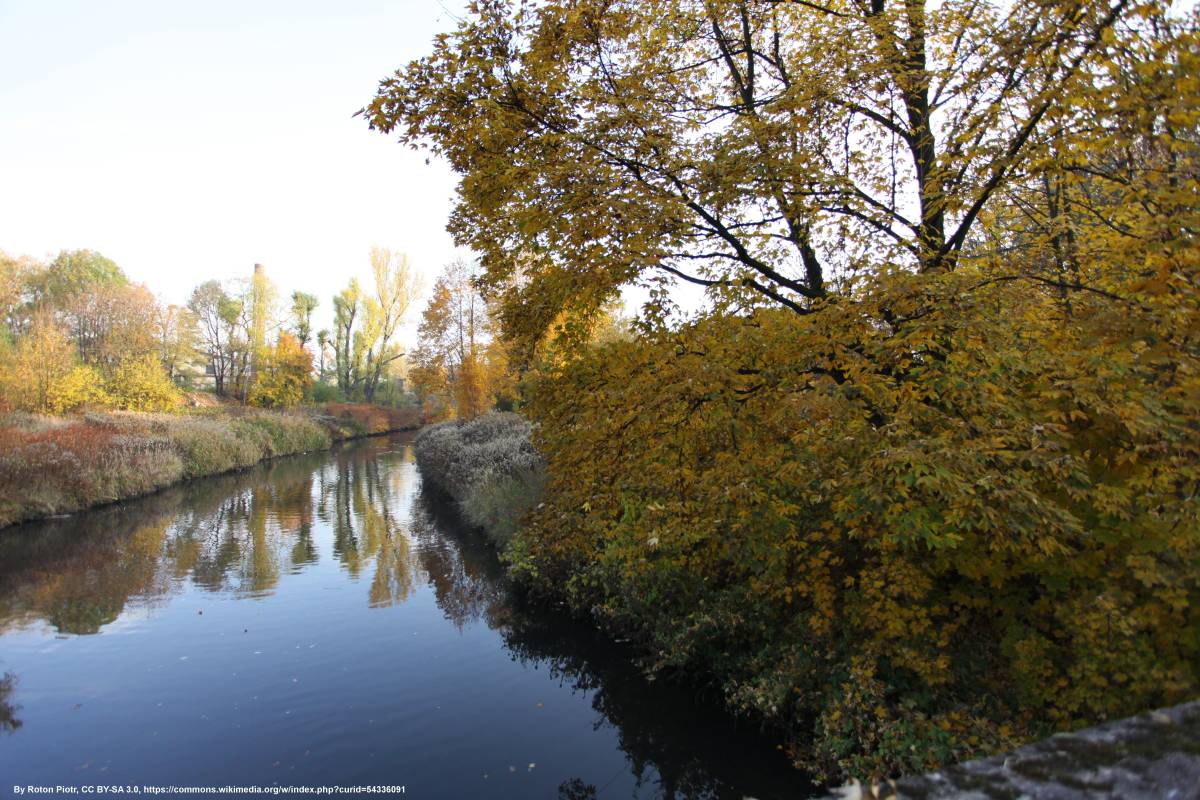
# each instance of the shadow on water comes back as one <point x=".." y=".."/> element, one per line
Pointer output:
<point x="684" y="745"/>
<point x="242" y="536"/>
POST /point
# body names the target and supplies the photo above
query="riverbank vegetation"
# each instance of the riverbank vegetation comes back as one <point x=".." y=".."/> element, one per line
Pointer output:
<point x="488" y="465"/>
<point x="51" y="465"/>
<point x="917" y="480"/>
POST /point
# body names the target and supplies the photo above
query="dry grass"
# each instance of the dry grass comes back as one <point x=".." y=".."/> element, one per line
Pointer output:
<point x="488" y="465"/>
<point x="73" y="466"/>
<point x="368" y="420"/>
<point x="52" y="465"/>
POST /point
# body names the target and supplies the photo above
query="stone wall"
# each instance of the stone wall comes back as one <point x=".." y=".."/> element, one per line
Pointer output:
<point x="1153" y="755"/>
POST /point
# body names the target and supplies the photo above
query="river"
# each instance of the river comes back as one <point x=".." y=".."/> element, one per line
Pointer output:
<point x="322" y="621"/>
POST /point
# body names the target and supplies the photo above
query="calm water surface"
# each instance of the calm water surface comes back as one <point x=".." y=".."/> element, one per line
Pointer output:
<point x="319" y="621"/>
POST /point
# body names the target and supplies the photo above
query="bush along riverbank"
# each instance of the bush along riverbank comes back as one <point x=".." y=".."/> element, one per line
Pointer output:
<point x="870" y="658"/>
<point x="55" y="465"/>
<point x="488" y="466"/>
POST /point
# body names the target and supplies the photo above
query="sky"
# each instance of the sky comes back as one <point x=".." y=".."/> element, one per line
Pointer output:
<point x="189" y="141"/>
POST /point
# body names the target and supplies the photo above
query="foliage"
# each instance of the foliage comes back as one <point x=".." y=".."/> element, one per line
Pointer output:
<point x="217" y="315"/>
<point x="928" y="561"/>
<point x="51" y="466"/>
<point x="458" y="362"/>
<point x="81" y="388"/>
<point x="920" y="481"/>
<point x="111" y="322"/>
<point x="346" y="307"/>
<point x="303" y="305"/>
<point x="70" y="274"/>
<point x="770" y="151"/>
<point x="77" y="465"/>
<point x="499" y="500"/>
<point x="141" y="384"/>
<point x="285" y="374"/>
<point x="396" y="285"/>
<point x="282" y="434"/>
<point x="488" y="465"/>
<point x="320" y="392"/>
<point x="177" y="332"/>
<point x="364" y="356"/>
<point x="40" y="361"/>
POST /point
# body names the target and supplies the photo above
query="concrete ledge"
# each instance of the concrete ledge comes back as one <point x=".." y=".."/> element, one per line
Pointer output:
<point x="1153" y="755"/>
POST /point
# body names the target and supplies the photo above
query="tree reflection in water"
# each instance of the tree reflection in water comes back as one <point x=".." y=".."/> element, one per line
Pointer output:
<point x="233" y="533"/>
<point x="243" y="534"/>
<point x="362" y="500"/>
<point x="8" y="710"/>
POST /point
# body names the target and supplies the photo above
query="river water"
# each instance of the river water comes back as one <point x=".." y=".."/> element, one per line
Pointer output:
<point x="322" y="621"/>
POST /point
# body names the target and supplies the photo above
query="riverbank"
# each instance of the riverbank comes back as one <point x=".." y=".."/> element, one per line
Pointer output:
<point x="59" y="465"/>
<point x="690" y="599"/>
<point x="488" y="466"/>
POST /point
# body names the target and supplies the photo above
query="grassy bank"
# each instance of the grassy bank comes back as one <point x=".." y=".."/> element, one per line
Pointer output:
<point x="488" y="465"/>
<point x="54" y="465"/>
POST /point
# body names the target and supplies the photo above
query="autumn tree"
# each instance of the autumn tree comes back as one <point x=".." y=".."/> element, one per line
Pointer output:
<point x="303" y="305"/>
<point x="70" y="273"/>
<point x="770" y="151"/>
<point x="919" y="481"/>
<point x="457" y="357"/>
<point x="396" y="284"/>
<point x="42" y="358"/>
<point x="176" y="330"/>
<point x="225" y="322"/>
<point x="346" y="307"/>
<point x="111" y="321"/>
<point x="15" y="272"/>
<point x="216" y="314"/>
<point x="139" y="383"/>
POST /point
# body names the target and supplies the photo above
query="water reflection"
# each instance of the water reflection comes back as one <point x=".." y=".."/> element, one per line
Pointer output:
<point x="8" y="710"/>
<point x="677" y="743"/>
<point x="364" y="501"/>
<point x="460" y="566"/>
<point x="255" y="534"/>
<point x="232" y="534"/>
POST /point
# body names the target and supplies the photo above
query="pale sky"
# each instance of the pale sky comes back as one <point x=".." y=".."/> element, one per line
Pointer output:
<point x="187" y="141"/>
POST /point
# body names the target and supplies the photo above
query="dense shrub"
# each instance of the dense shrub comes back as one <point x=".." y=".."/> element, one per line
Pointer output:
<point x="82" y="387"/>
<point x="488" y="465"/>
<point x="285" y="375"/>
<point x="498" y="500"/>
<point x="901" y="545"/>
<point x="322" y="393"/>
<point x="141" y="384"/>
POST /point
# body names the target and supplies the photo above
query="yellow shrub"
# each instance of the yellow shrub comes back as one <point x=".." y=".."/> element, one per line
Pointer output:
<point x="989" y="514"/>
<point x="285" y="372"/>
<point x="83" y="386"/>
<point x="141" y="384"/>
